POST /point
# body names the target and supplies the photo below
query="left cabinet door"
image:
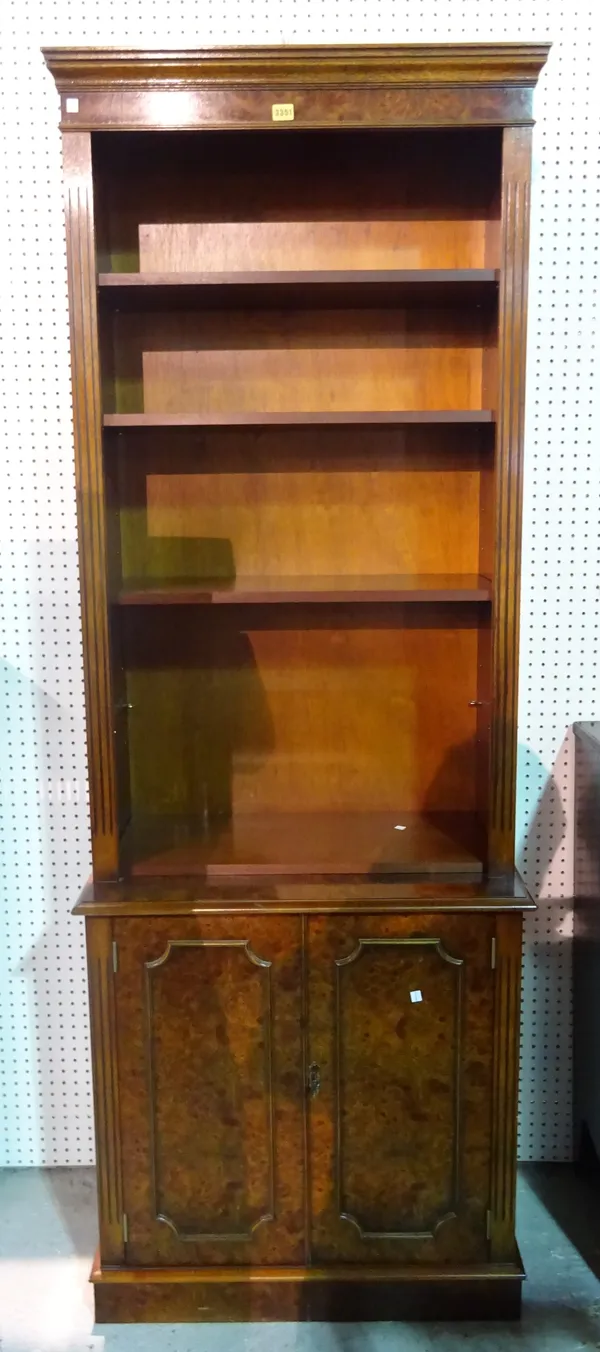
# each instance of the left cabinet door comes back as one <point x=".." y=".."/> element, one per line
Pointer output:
<point x="208" y="1014"/>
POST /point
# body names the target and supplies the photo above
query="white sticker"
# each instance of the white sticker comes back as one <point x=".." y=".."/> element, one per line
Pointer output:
<point x="415" y="997"/>
<point x="71" y="105"/>
<point x="399" y="828"/>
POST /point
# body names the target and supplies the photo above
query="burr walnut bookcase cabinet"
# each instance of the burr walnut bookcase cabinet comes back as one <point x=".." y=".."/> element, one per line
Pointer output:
<point x="298" y="302"/>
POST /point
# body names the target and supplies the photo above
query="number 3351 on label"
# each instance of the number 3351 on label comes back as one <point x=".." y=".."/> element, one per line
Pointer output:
<point x="282" y="112"/>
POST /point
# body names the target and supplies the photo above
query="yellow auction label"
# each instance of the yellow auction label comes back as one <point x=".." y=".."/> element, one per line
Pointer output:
<point x="282" y="112"/>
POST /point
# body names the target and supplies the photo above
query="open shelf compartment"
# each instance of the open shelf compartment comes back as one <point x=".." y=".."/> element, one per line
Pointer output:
<point x="299" y="384"/>
<point x="316" y="201"/>
<point x="304" y="740"/>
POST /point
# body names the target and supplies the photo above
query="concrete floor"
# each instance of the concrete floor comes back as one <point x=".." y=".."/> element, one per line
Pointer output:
<point x="47" y="1236"/>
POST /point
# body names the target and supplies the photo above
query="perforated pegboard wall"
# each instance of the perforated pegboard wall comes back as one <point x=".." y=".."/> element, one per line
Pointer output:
<point x="45" y="1102"/>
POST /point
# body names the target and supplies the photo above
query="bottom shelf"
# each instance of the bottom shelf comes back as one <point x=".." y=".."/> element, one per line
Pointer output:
<point x="334" y="844"/>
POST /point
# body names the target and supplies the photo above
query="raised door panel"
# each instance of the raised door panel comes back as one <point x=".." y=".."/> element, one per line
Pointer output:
<point x="211" y="1090"/>
<point x="401" y="1076"/>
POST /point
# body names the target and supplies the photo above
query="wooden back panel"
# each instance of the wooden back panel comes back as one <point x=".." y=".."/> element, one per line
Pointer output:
<point x="299" y="361"/>
<point x="238" y="246"/>
<point x="302" y="502"/>
<point x="325" y="708"/>
<point x="306" y="200"/>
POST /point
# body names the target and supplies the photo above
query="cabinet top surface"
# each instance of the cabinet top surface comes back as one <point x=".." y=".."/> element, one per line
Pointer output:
<point x="192" y="896"/>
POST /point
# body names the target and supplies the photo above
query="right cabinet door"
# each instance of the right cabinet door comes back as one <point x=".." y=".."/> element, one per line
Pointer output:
<point x="400" y="1087"/>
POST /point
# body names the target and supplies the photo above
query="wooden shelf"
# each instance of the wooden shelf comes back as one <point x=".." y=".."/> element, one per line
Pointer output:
<point x="271" y="844"/>
<point x="361" y="418"/>
<point x="410" y="587"/>
<point x="306" y="289"/>
<point x="342" y="277"/>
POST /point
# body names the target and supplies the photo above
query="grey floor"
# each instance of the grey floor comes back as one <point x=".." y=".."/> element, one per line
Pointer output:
<point x="47" y="1236"/>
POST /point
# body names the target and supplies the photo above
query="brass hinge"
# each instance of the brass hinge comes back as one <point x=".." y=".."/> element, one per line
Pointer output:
<point x="493" y="954"/>
<point x="125" y="1228"/>
<point x="115" y="953"/>
<point x="488" y="1225"/>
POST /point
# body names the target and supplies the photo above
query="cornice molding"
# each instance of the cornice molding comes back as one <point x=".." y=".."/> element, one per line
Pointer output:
<point x="419" y="65"/>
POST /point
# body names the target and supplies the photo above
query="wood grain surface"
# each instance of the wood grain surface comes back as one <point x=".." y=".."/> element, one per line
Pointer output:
<point x="302" y="709"/>
<point x="87" y="427"/>
<point x="236" y="247"/>
<point x="409" y="278"/>
<point x="507" y="1015"/>
<point x="516" y="176"/>
<point x="268" y="361"/>
<point x="437" y="894"/>
<point x="302" y="844"/>
<point x="311" y="289"/>
<point x="279" y="502"/>
<point x="400" y="1131"/>
<point x="365" y="589"/>
<point x="211" y="1090"/>
<point x="293" y="418"/>
<point x="448" y="63"/>
<point x="105" y="1070"/>
<point x="233" y="984"/>
<point x="155" y="1295"/>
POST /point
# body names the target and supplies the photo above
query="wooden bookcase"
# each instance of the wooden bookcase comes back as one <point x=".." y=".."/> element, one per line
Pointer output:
<point x="298" y="380"/>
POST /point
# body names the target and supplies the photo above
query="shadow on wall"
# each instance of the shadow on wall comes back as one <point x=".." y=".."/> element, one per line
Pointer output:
<point x="544" y="858"/>
<point x="44" y="861"/>
<point x="542" y="831"/>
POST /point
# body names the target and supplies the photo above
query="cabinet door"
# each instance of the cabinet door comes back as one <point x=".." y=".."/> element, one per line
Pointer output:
<point x="401" y="1056"/>
<point x="211" y="1089"/>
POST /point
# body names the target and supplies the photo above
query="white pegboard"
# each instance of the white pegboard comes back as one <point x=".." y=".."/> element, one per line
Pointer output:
<point x="45" y="1102"/>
